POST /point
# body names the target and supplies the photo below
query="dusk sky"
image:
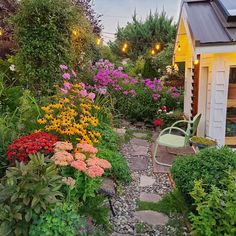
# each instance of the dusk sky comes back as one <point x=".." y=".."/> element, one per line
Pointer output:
<point x="120" y="12"/>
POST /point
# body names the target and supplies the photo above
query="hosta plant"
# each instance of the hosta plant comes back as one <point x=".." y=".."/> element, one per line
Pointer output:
<point x="27" y="190"/>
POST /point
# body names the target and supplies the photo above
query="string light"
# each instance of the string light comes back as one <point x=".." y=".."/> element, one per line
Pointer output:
<point x="75" y="33"/>
<point x="1" y="32"/>
<point x="123" y="49"/>
<point x="98" y="41"/>
<point x="196" y="62"/>
<point x="152" y="51"/>
<point x="125" y="45"/>
<point x="158" y="46"/>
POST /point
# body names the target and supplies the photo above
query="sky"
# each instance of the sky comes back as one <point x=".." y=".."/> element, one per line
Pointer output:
<point x="119" y="12"/>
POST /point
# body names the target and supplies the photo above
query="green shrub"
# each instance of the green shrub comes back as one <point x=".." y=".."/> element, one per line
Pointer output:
<point x="27" y="190"/>
<point x="215" y="210"/>
<point x="96" y="208"/>
<point x="62" y="220"/>
<point x="120" y="169"/>
<point x="49" y="33"/>
<point x="210" y="165"/>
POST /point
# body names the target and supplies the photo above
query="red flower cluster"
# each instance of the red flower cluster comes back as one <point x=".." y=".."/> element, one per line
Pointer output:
<point x="37" y="142"/>
<point x="158" y="122"/>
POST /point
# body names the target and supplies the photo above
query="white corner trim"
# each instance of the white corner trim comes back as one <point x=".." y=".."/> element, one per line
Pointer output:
<point x="215" y="49"/>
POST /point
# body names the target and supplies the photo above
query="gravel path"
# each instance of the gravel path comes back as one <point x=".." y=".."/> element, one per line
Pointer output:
<point x="143" y="181"/>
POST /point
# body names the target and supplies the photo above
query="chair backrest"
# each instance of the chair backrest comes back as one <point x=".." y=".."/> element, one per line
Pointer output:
<point x="192" y="127"/>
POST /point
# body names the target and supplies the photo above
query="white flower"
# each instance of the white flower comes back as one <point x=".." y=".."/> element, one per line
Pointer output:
<point x="12" y="67"/>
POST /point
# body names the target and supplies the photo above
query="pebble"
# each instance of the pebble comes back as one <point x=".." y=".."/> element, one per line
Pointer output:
<point x="124" y="223"/>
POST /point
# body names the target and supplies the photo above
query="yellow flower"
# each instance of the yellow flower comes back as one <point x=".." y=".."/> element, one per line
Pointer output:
<point x="42" y="121"/>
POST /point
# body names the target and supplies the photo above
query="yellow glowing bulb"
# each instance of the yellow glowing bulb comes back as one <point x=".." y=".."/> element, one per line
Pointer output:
<point x="125" y="45"/>
<point x="179" y="48"/>
<point x="153" y="52"/>
<point x="1" y="32"/>
<point x="123" y="49"/>
<point x="75" y="32"/>
<point x="99" y="41"/>
<point x="158" y="46"/>
<point x="196" y="62"/>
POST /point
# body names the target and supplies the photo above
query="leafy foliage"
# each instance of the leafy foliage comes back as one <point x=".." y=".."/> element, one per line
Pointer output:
<point x="210" y="165"/>
<point x="120" y="169"/>
<point x="27" y="190"/>
<point x="142" y="36"/>
<point x="63" y="219"/>
<point x="48" y="34"/>
<point x="93" y="18"/>
<point x="97" y="209"/>
<point x="216" y="209"/>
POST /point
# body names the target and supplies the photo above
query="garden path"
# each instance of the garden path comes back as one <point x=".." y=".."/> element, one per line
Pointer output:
<point x="145" y="186"/>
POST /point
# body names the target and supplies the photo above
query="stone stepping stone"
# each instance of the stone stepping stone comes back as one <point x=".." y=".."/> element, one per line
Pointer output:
<point x="138" y="164"/>
<point x="120" y="131"/>
<point x="140" y="135"/>
<point x="139" y="142"/>
<point x="152" y="217"/>
<point x="139" y="150"/>
<point x="149" y="197"/>
<point x="146" y="181"/>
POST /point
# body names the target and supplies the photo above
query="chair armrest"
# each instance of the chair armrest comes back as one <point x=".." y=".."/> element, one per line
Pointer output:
<point x="170" y="129"/>
<point x="180" y="121"/>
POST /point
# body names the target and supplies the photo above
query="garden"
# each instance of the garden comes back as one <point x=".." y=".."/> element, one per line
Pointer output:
<point x="73" y="115"/>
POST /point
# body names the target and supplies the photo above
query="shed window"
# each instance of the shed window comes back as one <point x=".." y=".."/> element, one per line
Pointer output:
<point x="232" y="75"/>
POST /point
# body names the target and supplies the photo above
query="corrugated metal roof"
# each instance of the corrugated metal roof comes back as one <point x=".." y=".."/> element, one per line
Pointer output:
<point x="207" y="24"/>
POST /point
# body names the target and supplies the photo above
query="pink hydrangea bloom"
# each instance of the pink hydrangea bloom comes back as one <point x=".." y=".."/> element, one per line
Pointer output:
<point x="79" y="165"/>
<point x="62" y="158"/>
<point x="68" y="181"/>
<point x="87" y="148"/>
<point x="98" y="162"/>
<point x="94" y="171"/>
<point x="66" y="76"/>
<point x="62" y="146"/>
<point x="80" y="156"/>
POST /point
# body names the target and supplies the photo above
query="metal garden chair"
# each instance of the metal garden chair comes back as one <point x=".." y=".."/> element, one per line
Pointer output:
<point x="168" y="139"/>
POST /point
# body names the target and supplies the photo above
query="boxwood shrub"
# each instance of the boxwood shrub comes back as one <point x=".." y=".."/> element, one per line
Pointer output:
<point x="209" y="165"/>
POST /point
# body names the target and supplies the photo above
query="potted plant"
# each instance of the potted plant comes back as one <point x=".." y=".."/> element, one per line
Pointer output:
<point x="202" y="142"/>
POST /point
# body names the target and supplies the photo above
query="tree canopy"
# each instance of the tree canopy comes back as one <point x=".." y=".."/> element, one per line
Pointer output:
<point x="141" y="37"/>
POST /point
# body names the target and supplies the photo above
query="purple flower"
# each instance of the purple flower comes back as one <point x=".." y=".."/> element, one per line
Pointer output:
<point x="126" y="92"/>
<point x="133" y="81"/>
<point x="120" y="68"/>
<point x="92" y="96"/>
<point x="66" y="76"/>
<point x="63" y="90"/>
<point x="67" y="85"/>
<point x="83" y="93"/>
<point x="133" y="92"/>
<point x="155" y="96"/>
<point x="73" y="73"/>
<point x="63" y="67"/>
<point x="82" y="84"/>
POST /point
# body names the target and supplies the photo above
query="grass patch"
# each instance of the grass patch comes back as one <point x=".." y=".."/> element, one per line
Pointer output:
<point x="172" y="202"/>
<point x="129" y="134"/>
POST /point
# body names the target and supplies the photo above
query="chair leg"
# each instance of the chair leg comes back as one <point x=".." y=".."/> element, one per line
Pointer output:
<point x="155" y="157"/>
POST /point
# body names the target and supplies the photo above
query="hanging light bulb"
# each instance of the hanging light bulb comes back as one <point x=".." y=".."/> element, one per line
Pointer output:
<point x="125" y="45"/>
<point x="152" y="51"/>
<point x="123" y="49"/>
<point x="179" y="48"/>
